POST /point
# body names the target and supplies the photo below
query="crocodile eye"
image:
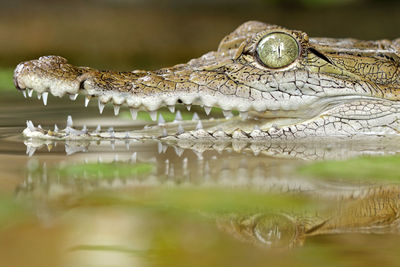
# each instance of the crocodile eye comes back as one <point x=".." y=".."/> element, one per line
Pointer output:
<point x="277" y="50"/>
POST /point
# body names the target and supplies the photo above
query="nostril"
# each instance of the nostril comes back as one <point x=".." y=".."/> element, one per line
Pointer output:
<point x="82" y="85"/>
<point x="180" y="101"/>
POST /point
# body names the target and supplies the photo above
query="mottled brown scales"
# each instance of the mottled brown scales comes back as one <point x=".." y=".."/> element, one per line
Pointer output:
<point x="327" y="75"/>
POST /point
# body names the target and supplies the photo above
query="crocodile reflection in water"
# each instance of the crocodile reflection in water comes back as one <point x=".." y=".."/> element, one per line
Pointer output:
<point x="284" y="84"/>
<point x="352" y="207"/>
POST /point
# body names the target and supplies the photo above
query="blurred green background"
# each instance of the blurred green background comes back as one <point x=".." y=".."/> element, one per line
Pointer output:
<point x="126" y="35"/>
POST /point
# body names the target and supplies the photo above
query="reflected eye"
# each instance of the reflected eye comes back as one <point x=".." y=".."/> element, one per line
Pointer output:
<point x="277" y="50"/>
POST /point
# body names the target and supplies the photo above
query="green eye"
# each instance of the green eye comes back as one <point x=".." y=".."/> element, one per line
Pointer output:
<point x="277" y="50"/>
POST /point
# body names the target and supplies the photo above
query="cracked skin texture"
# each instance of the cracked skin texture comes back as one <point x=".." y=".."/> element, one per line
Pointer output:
<point x="335" y="87"/>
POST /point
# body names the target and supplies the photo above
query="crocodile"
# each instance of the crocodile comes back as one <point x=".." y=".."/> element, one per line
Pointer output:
<point x="280" y="83"/>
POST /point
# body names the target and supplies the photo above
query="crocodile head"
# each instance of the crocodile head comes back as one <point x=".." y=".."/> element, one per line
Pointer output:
<point x="282" y="83"/>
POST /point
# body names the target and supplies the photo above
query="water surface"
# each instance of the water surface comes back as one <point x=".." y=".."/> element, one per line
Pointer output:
<point x="146" y="203"/>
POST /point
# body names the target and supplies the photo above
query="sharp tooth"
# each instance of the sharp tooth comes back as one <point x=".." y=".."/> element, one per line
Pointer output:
<point x="30" y="92"/>
<point x="84" y="129"/>
<point x="199" y="126"/>
<point x="164" y="132"/>
<point x="134" y="113"/>
<point x="188" y="107"/>
<point x="31" y="151"/>
<point x="227" y="113"/>
<point x="116" y="110"/>
<point x="98" y="129"/>
<point x="244" y="115"/>
<point x="73" y="97"/>
<point x="178" y="116"/>
<point x="180" y="129"/>
<point x="195" y="117"/>
<point x="87" y="99"/>
<point x="101" y="107"/>
<point x="30" y="125"/>
<point x="153" y="115"/>
<point x="55" y="128"/>
<point x="45" y="96"/>
<point x="171" y="109"/>
<point x="161" y="120"/>
<point x="24" y="93"/>
<point x="69" y="121"/>
<point x="39" y="95"/>
<point x="207" y="110"/>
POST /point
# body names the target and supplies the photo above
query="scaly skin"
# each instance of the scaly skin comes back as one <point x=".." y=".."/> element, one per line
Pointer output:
<point x="335" y="88"/>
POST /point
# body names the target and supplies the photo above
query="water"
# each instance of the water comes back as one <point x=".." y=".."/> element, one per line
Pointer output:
<point x="145" y="203"/>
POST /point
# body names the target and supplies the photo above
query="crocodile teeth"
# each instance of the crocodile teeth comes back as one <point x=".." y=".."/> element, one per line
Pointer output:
<point x="24" y="93"/>
<point x="55" y="128"/>
<point x="207" y="110"/>
<point x="101" y="107"/>
<point x="30" y="92"/>
<point x="69" y="121"/>
<point x="178" y="116"/>
<point x="227" y="113"/>
<point x="30" y="125"/>
<point x="244" y="115"/>
<point x="161" y="120"/>
<point x="188" y="107"/>
<point x="116" y="110"/>
<point x="134" y="113"/>
<point x="180" y="129"/>
<point x="195" y="117"/>
<point x="171" y="108"/>
<point x="45" y="97"/>
<point x="153" y="115"/>
<point x="39" y="95"/>
<point x="73" y="97"/>
<point x="87" y="99"/>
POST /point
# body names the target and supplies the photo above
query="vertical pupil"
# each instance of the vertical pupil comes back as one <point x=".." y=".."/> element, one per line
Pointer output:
<point x="277" y="50"/>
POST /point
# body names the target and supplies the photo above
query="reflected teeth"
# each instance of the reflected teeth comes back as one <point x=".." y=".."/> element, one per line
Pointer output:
<point x="45" y="96"/>
<point x="87" y="99"/>
<point x="134" y="113"/>
<point x="73" y="97"/>
<point x="116" y="110"/>
<point x="98" y="129"/>
<point x="199" y="126"/>
<point x="69" y="121"/>
<point x="101" y="107"/>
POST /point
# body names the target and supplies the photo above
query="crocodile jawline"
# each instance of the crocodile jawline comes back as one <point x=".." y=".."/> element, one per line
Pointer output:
<point x="335" y="88"/>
